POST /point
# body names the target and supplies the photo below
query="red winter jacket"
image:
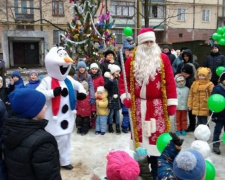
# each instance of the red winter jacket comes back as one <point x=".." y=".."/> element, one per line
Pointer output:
<point x="98" y="81"/>
<point x="84" y="107"/>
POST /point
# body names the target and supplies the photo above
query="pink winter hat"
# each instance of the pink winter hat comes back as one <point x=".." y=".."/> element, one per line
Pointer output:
<point x="121" y="166"/>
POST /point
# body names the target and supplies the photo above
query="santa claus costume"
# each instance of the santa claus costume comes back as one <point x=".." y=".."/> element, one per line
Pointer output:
<point x="60" y="91"/>
<point x="152" y="92"/>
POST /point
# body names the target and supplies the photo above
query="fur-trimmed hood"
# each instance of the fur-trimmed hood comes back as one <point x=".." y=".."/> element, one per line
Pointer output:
<point x="205" y="71"/>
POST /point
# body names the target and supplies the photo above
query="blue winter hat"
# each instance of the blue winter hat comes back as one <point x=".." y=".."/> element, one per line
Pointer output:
<point x="15" y="73"/>
<point x="26" y="102"/>
<point x="189" y="165"/>
<point x="81" y="63"/>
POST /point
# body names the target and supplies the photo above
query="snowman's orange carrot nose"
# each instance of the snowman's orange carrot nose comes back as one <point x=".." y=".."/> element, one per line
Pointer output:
<point x="68" y="59"/>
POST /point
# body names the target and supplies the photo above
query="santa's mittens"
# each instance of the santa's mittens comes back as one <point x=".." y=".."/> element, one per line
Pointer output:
<point x="127" y="103"/>
<point x="57" y="91"/>
<point x="171" y="110"/>
<point x="177" y="141"/>
<point x="81" y="96"/>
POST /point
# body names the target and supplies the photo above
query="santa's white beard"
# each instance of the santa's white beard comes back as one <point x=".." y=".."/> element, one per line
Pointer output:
<point x="147" y="63"/>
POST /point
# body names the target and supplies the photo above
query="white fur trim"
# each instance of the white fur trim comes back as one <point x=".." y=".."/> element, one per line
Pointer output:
<point x="124" y="96"/>
<point x="153" y="125"/>
<point x="147" y="128"/>
<point x="107" y="74"/>
<point x="172" y="102"/>
<point x="143" y="91"/>
<point x="147" y="36"/>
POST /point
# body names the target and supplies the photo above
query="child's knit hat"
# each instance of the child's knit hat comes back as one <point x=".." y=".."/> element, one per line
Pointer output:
<point x="113" y="68"/>
<point x="81" y="63"/>
<point x="94" y="65"/>
<point x="101" y="89"/>
<point x="189" y="165"/>
<point x="16" y="73"/>
<point x="26" y="102"/>
<point x="222" y="77"/>
<point x="121" y="166"/>
<point x="33" y="72"/>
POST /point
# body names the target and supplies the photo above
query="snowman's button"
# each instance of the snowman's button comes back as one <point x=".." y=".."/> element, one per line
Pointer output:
<point x="64" y="124"/>
<point x="64" y="92"/>
<point x="65" y="108"/>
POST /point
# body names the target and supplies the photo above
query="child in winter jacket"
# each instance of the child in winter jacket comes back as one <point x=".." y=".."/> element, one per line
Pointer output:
<point x="176" y="165"/>
<point x="84" y="107"/>
<point x="218" y="118"/>
<point x="34" y="80"/>
<point x="199" y="93"/>
<point x="111" y="84"/>
<point x="181" y="112"/>
<point x="30" y="152"/>
<point x="98" y="80"/>
<point x="18" y="81"/>
<point x="189" y="72"/>
<point x="102" y="110"/>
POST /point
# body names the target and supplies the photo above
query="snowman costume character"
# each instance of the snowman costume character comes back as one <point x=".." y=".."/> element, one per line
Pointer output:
<point x="60" y="91"/>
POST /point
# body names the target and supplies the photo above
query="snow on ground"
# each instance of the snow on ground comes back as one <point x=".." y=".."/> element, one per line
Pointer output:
<point x="88" y="154"/>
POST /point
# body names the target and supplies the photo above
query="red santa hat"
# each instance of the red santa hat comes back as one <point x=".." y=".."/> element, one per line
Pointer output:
<point x="146" y="34"/>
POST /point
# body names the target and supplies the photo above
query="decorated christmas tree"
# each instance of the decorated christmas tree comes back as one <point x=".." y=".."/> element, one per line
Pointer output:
<point x="89" y="35"/>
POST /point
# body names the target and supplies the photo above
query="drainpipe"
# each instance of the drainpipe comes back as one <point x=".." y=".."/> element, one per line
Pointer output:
<point x="7" y="14"/>
<point x="222" y="7"/>
<point x="193" y="28"/>
<point x="40" y="6"/>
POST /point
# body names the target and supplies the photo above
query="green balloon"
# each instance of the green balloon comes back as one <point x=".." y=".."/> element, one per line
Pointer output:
<point x="128" y="31"/>
<point x="216" y="103"/>
<point x="220" y="30"/>
<point x="210" y="172"/>
<point x="219" y="70"/>
<point x="216" y="36"/>
<point x="162" y="141"/>
<point x="223" y="138"/>
<point x="221" y="41"/>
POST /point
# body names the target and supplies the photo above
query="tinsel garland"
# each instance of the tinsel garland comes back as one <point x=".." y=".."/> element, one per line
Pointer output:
<point x="164" y="97"/>
<point x="133" y="107"/>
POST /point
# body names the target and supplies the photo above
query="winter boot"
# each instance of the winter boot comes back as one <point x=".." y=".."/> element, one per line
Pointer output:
<point x="118" y="129"/>
<point x="79" y="130"/>
<point x="216" y="148"/>
<point x="110" y="128"/>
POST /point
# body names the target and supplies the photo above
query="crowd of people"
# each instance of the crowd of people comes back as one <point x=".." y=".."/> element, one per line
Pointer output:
<point x="160" y="83"/>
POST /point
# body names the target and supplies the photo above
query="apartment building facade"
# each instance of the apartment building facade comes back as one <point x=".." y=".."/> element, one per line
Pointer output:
<point x="28" y="28"/>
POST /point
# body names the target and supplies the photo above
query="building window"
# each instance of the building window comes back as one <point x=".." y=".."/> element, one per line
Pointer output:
<point x="155" y="11"/>
<point x="119" y="36"/>
<point x="180" y="35"/>
<point x="56" y="36"/>
<point x="205" y="15"/>
<point x="24" y="7"/>
<point x="57" y="8"/>
<point x="181" y="14"/>
<point x="122" y="9"/>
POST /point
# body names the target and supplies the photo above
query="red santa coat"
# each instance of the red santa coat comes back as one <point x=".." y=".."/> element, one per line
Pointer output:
<point x="150" y="120"/>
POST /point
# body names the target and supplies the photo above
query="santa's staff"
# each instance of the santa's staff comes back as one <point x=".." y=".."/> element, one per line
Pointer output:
<point x="127" y="96"/>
